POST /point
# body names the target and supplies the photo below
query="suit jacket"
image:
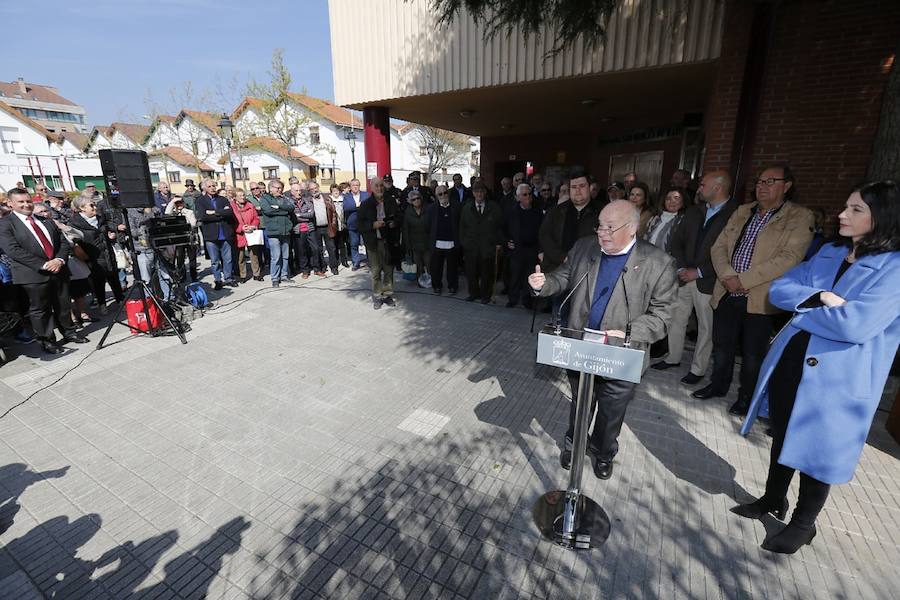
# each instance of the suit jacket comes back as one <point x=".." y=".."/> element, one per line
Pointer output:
<point x="222" y="215"/>
<point x="780" y="245"/>
<point x="467" y="194"/>
<point x="351" y="209"/>
<point x="649" y="283"/>
<point x="848" y="359"/>
<point x="368" y="214"/>
<point x="691" y="247"/>
<point x="26" y="253"/>
<point x="480" y="234"/>
<point x="552" y="232"/>
<point x="455" y="210"/>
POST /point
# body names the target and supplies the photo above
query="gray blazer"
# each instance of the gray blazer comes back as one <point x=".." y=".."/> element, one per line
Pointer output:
<point x="650" y="283"/>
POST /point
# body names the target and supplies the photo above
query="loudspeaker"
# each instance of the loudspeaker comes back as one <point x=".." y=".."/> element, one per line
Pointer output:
<point x="127" y="177"/>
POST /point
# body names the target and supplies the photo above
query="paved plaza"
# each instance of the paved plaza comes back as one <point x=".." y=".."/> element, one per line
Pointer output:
<point x="302" y="445"/>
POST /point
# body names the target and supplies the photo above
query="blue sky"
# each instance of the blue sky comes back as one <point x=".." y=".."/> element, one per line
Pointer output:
<point x="108" y="55"/>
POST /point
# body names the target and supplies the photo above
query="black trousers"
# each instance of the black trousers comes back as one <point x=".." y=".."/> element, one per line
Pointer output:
<point x="99" y="278"/>
<point x="342" y="244"/>
<point x="521" y="265"/>
<point x="438" y="258"/>
<point x="322" y="233"/>
<point x="731" y="324"/>
<point x="49" y="305"/>
<point x="782" y="389"/>
<point x="306" y="251"/>
<point x="608" y="406"/>
<point x="480" y="275"/>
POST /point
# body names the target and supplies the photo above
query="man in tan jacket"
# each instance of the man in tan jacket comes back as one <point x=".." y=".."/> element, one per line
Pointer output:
<point x="760" y="242"/>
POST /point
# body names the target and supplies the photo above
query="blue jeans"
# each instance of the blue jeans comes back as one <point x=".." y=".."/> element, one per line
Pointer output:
<point x="279" y="250"/>
<point x="219" y="253"/>
<point x="354" y="247"/>
<point x="147" y="263"/>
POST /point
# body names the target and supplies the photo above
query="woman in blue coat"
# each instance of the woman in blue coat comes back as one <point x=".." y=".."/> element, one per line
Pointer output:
<point x="822" y="379"/>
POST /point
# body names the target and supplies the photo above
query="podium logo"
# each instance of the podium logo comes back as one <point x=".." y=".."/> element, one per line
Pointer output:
<point x="561" y="351"/>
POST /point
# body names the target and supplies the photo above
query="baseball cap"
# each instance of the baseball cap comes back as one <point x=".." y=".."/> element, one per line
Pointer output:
<point x="616" y="184"/>
<point x="188" y="182"/>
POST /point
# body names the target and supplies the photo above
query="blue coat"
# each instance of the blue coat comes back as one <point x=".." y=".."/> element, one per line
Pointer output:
<point x="351" y="209"/>
<point x="849" y="356"/>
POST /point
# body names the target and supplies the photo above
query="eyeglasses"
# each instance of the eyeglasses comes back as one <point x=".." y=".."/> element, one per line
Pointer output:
<point x="442" y="193"/>
<point x="545" y="190"/>
<point x="256" y="189"/>
<point x="770" y="181"/>
<point x="526" y="194"/>
<point x="609" y="229"/>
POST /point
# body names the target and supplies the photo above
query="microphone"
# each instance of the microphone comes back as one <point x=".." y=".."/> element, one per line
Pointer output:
<point x="557" y="327"/>
<point x="627" y="343"/>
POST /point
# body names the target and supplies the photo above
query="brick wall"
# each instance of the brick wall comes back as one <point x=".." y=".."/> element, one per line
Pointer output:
<point x="821" y="96"/>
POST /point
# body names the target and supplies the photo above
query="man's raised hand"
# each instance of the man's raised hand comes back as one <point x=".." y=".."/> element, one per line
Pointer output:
<point x="536" y="280"/>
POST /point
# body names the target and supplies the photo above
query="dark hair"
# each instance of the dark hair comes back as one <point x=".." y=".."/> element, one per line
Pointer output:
<point x="17" y="190"/>
<point x="648" y="200"/>
<point x="787" y="175"/>
<point x="883" y="200"/>
<point x="685" y="200"/>
<point x="578" y="174"/>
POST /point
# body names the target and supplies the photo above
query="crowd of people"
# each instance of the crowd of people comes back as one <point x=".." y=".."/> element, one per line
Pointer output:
<point x="696" y="260"/>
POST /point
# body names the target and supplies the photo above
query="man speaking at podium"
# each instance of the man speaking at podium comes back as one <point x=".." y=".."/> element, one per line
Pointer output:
<point x="627" y="290"/>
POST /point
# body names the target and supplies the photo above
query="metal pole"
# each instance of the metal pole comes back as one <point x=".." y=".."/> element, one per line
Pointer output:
<point x="579" y="445"/>
<point x="353" y="157"/>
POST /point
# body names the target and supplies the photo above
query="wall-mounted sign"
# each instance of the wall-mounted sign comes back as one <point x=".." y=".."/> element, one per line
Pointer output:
<point x="561" y="157"/>
<point x="371" y="170"/>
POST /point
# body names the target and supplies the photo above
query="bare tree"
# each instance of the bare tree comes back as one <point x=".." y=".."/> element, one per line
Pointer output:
<point x="443" y="149"/>
<point x="278" y="115"/>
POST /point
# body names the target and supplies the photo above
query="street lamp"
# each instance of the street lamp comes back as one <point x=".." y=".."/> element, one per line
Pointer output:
<point x="333" y="153"/>
<point x="351" y="140"/>
<point x="227" y="129"/>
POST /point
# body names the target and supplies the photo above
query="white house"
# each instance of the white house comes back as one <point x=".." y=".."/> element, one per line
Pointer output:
<point x="174" y="165"/>
<point x="412" y="154"/>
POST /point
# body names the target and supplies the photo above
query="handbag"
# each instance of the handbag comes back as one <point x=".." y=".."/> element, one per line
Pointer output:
<point x="122" y="258"/>
<point x="254" y="238"/>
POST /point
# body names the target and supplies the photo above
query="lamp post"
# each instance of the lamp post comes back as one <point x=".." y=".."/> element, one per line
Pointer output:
<point x="333" y="153"/>
<point x="351" y="140"/>
<point x="227" y="129"/>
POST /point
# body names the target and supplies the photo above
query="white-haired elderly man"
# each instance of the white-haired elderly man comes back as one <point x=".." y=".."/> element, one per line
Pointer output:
<point x="630" y="286"/>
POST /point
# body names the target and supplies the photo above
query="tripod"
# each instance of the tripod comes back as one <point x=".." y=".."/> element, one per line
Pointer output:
<point x="146" y="295"/>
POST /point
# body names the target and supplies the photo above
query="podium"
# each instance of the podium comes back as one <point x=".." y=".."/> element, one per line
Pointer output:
<point x="569" y="518"/>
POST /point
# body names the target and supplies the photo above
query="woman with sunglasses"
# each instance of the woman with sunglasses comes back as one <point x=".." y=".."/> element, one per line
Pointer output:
<point x="97" y="242"/>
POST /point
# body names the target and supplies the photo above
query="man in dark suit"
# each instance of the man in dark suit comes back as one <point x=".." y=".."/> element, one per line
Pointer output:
<point x="690" y="245"/>
<point x="481" y="236"/>
<point x="39" y="251"/>
<point x="217" y="224"/>
<point x="380" y="223"/>
<point x="522" y="226"/>
<point x="459" y="191"/>
<point x="629" y="288"/>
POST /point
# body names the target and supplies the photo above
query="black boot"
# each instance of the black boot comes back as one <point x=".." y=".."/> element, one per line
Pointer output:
<point x="757" y="508"/>
<point x="790" y="539"/>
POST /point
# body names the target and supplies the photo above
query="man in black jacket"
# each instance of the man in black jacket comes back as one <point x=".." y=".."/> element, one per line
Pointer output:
<point x="39" y="252"/>
<point x="690" y="245"/>
<point x="380" y="223"/>
<point x="481" y="236"/>
<point x="523" y="224"/>
<point x="443" y="225"/>
<point x="217" y="224"/>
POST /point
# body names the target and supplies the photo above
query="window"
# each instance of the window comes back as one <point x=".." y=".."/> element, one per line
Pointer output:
<point x="314" y="135"/>
<point x="241" y="174"/>
<point x="209" y="146"/>
<point x="154" y="178"/>
<point x="423" y="151"/>
<point x="9" y="140"/>
<point x="195" y="149"/>
<point x="313" y="172"/>
<point x="174" y="176"/>
<point x="270" y="172"/>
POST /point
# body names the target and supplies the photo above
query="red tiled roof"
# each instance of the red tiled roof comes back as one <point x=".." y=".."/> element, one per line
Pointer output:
<point x="273" y="146"/>
<point x="245" y="103"/>
<point x="336" y="114"/>
<point x="133" y="131"/>
<point x="206" y="119"/>
<point x="33" y="124"/>
<point x="181" y="157"/>
<point x="35" y="91"/>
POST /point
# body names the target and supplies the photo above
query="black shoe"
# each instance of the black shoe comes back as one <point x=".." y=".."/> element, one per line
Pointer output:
<point x="345" y="264"/>
<point x="354" y="268"/>
<point x="376" y="303"/>
<point x="663" y="365"/>
<point x="602" y="468"/>
<point x="389" y="300"/>
<point x="217" y="285"/>
<point x="438" y="291"/>
<point x="287" y="280"/>
<point x="471" y="298"/>
<point x="258" y="278"/>
<point x="691" y="379"/>
<point x="485" y="300"/>
<point x="790" y="539"/>
<point x="51" y="348"/>
<point x="334" y="271"/>
<point x="231" y="283"/>
<point x="705" y="393"/>
<point x="760" y="507"/>
<point x="75" y="338"/>
<point x="276" y="284"/>
<point x="740" y="408"/>
<point x="451" y="291"/>
<point x="565" y="459"/>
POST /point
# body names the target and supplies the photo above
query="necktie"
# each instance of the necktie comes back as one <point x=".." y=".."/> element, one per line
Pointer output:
<point x="48" y="247"/>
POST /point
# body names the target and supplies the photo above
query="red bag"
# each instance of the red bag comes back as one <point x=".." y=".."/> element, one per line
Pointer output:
<point x="137" y="318"/>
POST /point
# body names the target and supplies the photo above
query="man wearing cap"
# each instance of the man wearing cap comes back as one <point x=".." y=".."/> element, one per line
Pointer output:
<point x="413" y="182"/>
<point x="615" y="191"/>
<point x="190" y="194"/>
<point x="389" y="189"/>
